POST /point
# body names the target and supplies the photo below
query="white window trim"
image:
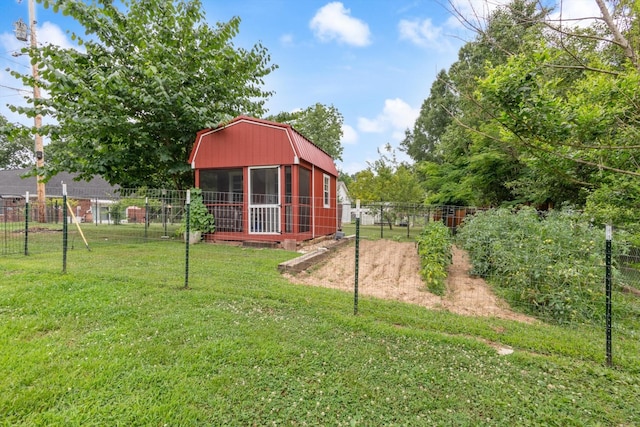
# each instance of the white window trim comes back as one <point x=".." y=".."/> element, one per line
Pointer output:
<point x="326" y="190"/>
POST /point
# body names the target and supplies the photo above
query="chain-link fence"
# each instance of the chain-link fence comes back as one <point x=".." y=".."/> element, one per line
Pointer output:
<point x="128" y="216"/>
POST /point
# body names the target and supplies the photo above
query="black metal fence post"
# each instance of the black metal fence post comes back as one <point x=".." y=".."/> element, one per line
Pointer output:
<point x="408" y="222"/>
<point x="65" y="227"/>
<point x="608" y="291"/>
<point x="381" y="221"/>
<point x="26" y="224"/>
<point x="357" y="266"/>
<point x="6" y="232"/>
<point x="146" y="217"/>
<point x="164" y="213"/>
<point x="187" y="239"/>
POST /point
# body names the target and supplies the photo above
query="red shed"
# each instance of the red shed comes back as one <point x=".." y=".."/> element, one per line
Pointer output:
<point x="263" y="181"/>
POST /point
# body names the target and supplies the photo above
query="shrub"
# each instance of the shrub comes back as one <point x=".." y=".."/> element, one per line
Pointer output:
<point x="200" y="219"/>
<point x="434" y="249"/>
<point x="551" y="266"/>
<point x="116" y="212"/>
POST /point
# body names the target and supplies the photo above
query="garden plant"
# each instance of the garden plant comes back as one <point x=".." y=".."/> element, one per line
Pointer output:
<point x="550" y="265"/>
<point x="434" y="249"/>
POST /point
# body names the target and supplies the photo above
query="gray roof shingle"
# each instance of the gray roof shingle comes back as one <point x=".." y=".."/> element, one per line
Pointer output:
<point x="14" y="183"/>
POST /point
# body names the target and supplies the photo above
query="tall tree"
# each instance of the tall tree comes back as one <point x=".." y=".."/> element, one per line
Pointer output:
<point x="320" y="123"/>
<point x="16" y="149"/>
<point x="423" y="142"/>
<point x="387" y="180"/>
<point x="571" y="102"/>
<point x="153" y="73"/>
<point x="461" y="166"/>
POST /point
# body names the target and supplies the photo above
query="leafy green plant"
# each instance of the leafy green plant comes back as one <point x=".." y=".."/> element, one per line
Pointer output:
<point x="615" y="202"/>
<point x="434" y="249"/>
<point x="116" y="212"/>
<point x="200" y="219"/>
<point x="551" y="266"/>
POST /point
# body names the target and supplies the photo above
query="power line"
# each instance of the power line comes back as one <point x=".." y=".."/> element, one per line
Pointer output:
<point x="15" y="88"/>
<point x="5" y="58"/>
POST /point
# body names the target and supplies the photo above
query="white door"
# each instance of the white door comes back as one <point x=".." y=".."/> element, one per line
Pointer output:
<point x="264" y="200"/>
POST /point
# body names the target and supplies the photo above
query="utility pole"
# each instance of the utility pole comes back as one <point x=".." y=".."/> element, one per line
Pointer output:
<point x="39" y="147"/>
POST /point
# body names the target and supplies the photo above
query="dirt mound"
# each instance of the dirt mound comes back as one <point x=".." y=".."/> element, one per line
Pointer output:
<point x="390" y="270"/>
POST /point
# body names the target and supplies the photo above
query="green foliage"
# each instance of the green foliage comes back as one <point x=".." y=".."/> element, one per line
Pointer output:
<point x="434" y="249"/>
<point x="552" y="267"/>
<point x="462" y="163"/>
<point x="616" y="202"/>
<point x="571" y="108"/>
<point x="321" y="124"/>
<point x="200" y="219"/>
<point x="116" y="212"/>
<point x="151" y="74"/>
<point x="388" y="180"/>
<point x="16" y="148"/>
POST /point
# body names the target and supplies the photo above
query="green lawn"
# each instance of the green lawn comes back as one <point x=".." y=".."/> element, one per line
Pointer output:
<point x="374" y="232"/>
<point x="118" y="341"/>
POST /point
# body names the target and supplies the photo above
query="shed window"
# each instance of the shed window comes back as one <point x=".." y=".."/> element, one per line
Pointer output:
<point x="304" y="208"/>
<point x="226" y="184"/>
<point x="326" y="191"/>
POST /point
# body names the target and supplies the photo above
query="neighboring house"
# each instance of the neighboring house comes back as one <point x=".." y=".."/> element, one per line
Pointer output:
<point x="14" y="185"/>
<point x="263" y="181"/>
<point x="367" y="216"/>
<point x="344" y="204"/>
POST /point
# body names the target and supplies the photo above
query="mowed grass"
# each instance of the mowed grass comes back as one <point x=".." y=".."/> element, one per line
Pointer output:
<point x="119" y="341"/>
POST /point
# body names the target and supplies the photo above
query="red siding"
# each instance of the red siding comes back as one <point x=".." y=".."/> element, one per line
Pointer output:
<point x="246" y="142"/>
<point x="325" y="218"/>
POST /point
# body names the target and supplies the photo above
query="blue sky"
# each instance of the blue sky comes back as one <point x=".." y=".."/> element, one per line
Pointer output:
<point x="374" y="60"/>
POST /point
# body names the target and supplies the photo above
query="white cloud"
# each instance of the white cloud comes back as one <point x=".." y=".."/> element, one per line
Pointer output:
<point x="476" y="11"/>
<point x="371" y="126"/>
<point x="349" y="135"/>
<point x="421" y="33"/>
<point x="400" y="114"/>
<point x="473" y="11"/>
<point x="396" y="116"/>
<point x="334" y="22"/>
<point x="353" y="167"/>
<point x="50" y="33"/>
<point x="570" y="10"/>
<point x="10" y="43"/>
<point x="286" y="39"/>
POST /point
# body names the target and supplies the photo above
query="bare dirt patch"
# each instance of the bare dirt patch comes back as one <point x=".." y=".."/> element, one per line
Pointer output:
<point x="390" y="270"/>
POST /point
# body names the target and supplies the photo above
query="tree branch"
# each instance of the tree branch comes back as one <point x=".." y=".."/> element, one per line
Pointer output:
<point x="618" y="37"/>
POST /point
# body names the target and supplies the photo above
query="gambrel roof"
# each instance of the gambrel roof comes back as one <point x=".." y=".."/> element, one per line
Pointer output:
<point x="294" y="145"/>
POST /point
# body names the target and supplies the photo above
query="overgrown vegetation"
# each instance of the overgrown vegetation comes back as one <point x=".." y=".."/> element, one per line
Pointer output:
<point x="551" y="266"/>
<point x="434" y="249"/>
